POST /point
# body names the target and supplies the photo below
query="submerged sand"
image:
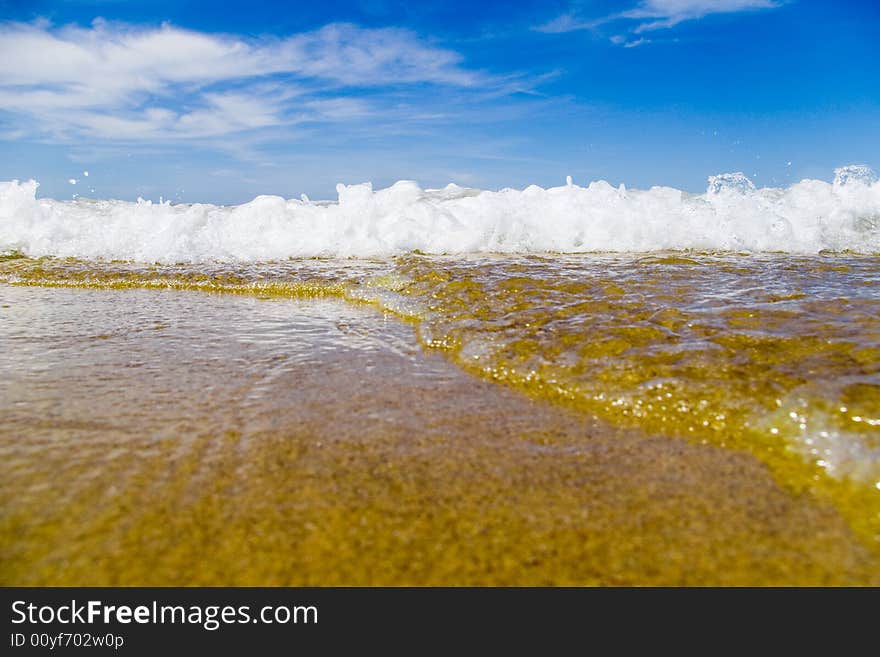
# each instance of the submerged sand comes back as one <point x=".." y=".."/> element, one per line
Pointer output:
<point x="153" y="437"/>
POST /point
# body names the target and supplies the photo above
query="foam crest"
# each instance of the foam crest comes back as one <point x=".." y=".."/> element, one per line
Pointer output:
<point x="732" y="215"/>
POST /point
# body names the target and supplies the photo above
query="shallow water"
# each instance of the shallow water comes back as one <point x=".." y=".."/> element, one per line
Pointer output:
<point x="784" y="349"/>
<point x="704" y="369"/>
<point x="119" y="345"/>
<point x="771" y="353"/>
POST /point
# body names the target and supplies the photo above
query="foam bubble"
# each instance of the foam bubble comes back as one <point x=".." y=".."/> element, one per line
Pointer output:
<point x="854" y="174"/>
<point x="808" y="217"/>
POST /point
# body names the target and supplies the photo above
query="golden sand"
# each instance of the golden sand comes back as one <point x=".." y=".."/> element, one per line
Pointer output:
<point x="173" y="437"/>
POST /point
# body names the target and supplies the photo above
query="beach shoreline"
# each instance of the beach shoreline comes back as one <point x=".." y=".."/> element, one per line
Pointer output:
<point x="157" y="437"/>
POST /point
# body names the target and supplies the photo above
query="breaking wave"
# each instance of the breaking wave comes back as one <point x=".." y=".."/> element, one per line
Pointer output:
<point x="732" y="215"/>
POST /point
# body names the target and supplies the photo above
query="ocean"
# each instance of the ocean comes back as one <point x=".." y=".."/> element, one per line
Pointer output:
<point x="579" y="385"/>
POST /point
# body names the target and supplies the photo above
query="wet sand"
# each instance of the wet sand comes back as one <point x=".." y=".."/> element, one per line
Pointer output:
<point x="174" y="438"/>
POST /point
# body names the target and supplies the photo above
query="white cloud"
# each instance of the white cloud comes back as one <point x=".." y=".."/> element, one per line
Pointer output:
<point x="114" y="81"/>
<point x="655" y="15"/>
<point x="669" y="13"/>
<point x="568" y="22"/>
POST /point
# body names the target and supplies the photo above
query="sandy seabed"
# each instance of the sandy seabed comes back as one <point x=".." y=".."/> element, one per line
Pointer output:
<point x="155" y="437"/>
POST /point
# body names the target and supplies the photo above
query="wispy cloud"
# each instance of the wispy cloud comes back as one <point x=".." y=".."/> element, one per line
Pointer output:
<point x="650" y="15"/>
<point x="119" y="82"/>
<point x="570" y="21"/>
<point x="658" y="14"/>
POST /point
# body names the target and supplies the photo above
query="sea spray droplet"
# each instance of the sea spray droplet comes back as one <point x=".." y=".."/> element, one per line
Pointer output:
<point x="730" y="182"/>
<point x="854" y="174"/>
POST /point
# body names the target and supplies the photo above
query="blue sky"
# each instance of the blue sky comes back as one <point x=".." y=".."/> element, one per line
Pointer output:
<point x="219" y="102"/>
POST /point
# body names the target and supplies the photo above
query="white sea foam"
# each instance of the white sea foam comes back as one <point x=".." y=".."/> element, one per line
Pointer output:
<point x="807" y="217"/>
